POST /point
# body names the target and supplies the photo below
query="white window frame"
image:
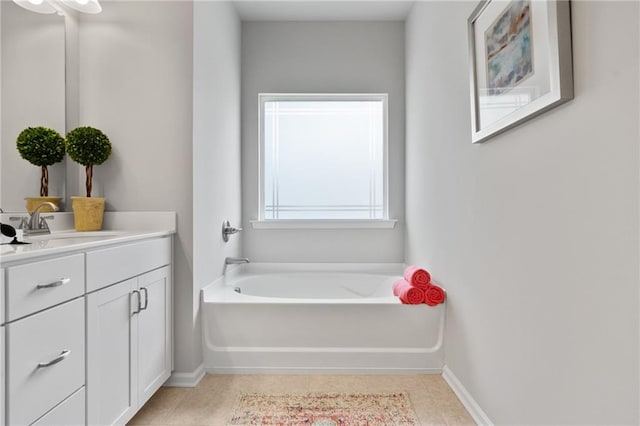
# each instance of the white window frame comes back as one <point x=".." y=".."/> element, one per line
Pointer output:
<point x="263" y="223"/>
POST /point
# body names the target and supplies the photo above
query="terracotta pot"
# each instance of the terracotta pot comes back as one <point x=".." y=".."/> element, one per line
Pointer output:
<point x="87" y="213"/>
<point x="33" y="202"/>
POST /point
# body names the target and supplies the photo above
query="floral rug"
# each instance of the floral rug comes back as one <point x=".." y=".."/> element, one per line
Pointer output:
<point x="325" y="409"/>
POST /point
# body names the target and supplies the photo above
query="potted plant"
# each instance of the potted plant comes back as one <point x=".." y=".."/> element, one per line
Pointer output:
<point x="90" y="147"/>
<point x="41" y="147"/>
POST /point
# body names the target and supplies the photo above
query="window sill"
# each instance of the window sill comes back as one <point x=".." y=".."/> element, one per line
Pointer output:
<point x="323" y="224"/>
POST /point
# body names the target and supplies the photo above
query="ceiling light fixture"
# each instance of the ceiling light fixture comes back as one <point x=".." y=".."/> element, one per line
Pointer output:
<point x="53" y="6"/>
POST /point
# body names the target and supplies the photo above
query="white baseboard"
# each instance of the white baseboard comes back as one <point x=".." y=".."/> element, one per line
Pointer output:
<point x="319" y="370"/>
<point x="478" y="415"/>
<point x="186" y="380"/>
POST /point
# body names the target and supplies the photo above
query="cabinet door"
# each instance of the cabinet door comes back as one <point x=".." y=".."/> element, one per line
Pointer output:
<point x="154" y="332"/>
<point x="111" y="354"/>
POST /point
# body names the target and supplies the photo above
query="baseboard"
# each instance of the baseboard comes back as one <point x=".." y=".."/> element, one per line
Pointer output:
<point x="186" y="380"/>
<point x="478" y="415"/>
<point x="305" y="370"/>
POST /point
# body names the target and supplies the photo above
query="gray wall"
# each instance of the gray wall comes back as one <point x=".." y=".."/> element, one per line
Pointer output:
<point x="310" y="57"/>
<point x="136" y="82"/>
<point x="535" y="233"/>
<point x="32" y="80"/>
<point x="216" y="142"/>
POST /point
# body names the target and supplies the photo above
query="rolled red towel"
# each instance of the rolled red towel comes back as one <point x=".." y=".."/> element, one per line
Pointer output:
<point x="408" y="294"/>
<point x="434" y="295"/>
<point x="417" y="277"/>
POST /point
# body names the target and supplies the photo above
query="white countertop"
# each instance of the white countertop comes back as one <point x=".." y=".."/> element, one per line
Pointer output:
<point x="119" y="228"/>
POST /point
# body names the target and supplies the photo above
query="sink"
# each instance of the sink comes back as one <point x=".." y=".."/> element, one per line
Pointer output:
<point x="94" y="235"/>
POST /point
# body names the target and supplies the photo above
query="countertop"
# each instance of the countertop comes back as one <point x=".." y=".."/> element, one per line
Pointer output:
<point x="120" y="228"/>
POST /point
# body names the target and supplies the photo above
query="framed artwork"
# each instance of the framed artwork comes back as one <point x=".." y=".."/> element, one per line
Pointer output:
<point x="520" y="62"/>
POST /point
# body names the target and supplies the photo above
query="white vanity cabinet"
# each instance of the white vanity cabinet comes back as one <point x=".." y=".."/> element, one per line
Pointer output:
<point x="85" y="329"/>
<point x="129" y="347"/>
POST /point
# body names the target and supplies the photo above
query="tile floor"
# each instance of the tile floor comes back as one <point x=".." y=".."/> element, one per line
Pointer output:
<point x="211" y="403"/>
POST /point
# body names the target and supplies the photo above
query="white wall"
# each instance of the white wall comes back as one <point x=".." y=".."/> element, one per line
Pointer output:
<point x="216" y="141"/>
<point x="33" y="94"/>
<point x="309" y="57"/>
<point x="535" y="233"/>
<point x="136" y="82"/>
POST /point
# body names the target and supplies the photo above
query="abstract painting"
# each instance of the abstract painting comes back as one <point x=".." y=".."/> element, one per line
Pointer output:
<point x="508" y="44"/>
<point x="520" y="62"/>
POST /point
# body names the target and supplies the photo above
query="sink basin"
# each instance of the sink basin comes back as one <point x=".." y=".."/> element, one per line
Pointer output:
<point x="75" y="235"/>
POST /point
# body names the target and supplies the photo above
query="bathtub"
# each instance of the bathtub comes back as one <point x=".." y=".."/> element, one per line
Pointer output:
<point x="317" y="318"/>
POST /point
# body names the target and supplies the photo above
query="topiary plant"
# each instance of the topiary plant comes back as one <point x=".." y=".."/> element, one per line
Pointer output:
<point x="41" y="147"/>
<point x="90" y="147"/>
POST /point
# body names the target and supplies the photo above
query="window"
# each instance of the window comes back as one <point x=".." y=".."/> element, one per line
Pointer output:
<point x="323" y="157"/>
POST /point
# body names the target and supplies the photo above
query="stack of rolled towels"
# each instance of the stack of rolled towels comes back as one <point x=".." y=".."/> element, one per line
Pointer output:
<point x="416" y="287"/>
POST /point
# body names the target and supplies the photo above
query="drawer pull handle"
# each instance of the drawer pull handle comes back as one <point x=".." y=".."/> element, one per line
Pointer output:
<point x="146" y="298"/>
<point x="56" y="360"/>
<point x="58" y="283"/>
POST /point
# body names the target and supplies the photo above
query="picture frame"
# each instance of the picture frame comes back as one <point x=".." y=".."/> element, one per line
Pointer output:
<point x="520" y="62"/>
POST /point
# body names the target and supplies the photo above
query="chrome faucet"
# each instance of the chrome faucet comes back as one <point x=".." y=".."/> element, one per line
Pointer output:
<point x="35" y="224"/>
<point x="235" y="260"/>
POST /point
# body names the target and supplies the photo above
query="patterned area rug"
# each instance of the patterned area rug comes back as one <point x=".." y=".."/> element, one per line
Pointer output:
<point x="325" y="409"/>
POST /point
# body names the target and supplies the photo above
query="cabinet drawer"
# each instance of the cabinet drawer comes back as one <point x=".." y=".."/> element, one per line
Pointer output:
<point x="39" y="285"/>
<point x="35" y="381"/>
<point x="115" y="264"/>
<point x="70" y="412"/>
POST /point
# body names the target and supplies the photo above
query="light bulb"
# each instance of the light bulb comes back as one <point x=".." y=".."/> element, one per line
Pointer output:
<point x="38" y="6"/>
<point x="85" y="6"/>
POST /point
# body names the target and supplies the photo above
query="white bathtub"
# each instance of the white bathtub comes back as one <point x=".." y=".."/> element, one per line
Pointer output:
<point x="317" y="318"/>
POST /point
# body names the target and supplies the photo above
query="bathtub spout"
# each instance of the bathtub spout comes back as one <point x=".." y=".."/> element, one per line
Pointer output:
<point x="235" y="260"/>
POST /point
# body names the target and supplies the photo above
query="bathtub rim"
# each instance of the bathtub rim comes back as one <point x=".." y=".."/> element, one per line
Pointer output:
<point x="225" y="283"/>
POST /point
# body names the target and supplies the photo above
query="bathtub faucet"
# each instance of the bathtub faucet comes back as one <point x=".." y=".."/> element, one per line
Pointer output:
<point x="235" y="260"/>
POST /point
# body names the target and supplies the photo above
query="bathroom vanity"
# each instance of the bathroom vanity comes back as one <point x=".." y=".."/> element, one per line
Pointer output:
<point x="86" y="334"/>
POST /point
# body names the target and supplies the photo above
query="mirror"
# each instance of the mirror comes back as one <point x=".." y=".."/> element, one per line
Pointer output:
<point x="32" y="93"/>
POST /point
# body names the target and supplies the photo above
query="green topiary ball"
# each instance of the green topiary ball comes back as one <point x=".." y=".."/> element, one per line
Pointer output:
<point x="88" y="146"/>
<point x="40" y="146"/>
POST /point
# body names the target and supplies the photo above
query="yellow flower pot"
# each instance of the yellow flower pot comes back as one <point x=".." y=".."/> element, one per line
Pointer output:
<point x="87" y="213"/>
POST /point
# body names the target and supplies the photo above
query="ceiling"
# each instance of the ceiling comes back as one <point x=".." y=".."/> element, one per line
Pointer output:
<point x="327" y="10"/>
